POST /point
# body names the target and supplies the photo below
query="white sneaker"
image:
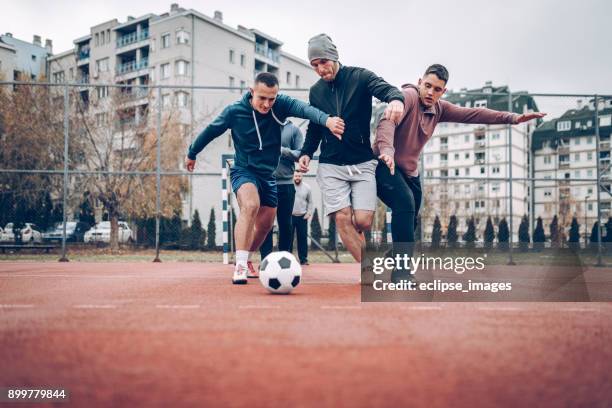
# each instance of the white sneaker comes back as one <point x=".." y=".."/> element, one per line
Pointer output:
<point x="240" y="275"/>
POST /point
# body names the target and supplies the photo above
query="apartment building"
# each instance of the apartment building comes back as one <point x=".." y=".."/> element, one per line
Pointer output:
<point x="182" y="47"/>
<point x="21" y="60"/>
<point x="477" y="151"/>
<point x="566" y="148"/>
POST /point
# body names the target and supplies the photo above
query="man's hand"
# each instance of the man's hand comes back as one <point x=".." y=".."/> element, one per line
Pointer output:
<point x="526" y="117"/>
<point x="336" y="126"/>
<point x="189" y="164"/>
<point x="307" y="216"/>
<point x="389" y="161"/>
<point x="394" y="111"/>
<point x="304" y="162"/>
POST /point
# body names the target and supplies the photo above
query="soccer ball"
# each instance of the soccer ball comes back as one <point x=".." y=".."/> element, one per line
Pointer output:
<point x="280" y="272"/>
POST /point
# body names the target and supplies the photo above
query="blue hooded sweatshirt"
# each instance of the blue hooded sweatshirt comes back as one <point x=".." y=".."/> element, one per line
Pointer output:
<point x="257" y="137"/>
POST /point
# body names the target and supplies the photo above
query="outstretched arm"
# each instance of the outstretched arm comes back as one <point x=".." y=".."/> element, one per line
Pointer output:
<point x="211" y="132"/>
<point x="385" y="92"/>
<point x="296" y="108"/>
<point x="459" y="114"/>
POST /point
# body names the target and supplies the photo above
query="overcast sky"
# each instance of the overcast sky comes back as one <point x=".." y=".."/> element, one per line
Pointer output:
<point x="537" y="45"/>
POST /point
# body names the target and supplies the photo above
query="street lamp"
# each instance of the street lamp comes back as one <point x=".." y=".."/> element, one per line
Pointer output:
<point x="586" y="242"/>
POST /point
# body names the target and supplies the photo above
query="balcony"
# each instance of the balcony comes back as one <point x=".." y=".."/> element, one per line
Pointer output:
<point x="443" y="163"/>
<point x="479" y="161"/>
<point x="564" y="165"/>
<point x="132" y="66"/>
<point x="563" y="150"/>
<point x="269" y="53"/>
<point x="604" y="145"/>
<point x="83" y="54"/>
<point x="480" y="144"/>
<point x="132" y="38"/>
<point x="443" y="147"/>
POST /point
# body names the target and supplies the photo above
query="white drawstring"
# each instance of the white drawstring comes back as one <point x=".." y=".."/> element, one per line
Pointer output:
<point x="257" y="129"/>
<point x="276" y="119"/>
<point x="348" y="168"/>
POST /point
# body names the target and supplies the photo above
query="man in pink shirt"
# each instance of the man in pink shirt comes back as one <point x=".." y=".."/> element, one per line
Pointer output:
<point x="400" y="187"/>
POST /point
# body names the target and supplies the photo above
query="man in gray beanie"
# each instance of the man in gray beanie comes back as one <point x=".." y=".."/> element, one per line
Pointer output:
<point x="347" y="165"/>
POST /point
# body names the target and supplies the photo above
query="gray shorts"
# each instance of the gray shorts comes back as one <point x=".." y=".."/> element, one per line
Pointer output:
<point x="348" y="186"/>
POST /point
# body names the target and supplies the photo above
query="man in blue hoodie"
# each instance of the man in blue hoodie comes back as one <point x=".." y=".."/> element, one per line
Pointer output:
<point x="256" y="132"/>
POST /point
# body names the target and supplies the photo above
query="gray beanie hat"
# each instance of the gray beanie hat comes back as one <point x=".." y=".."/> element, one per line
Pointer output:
<point x="321" y="46"/>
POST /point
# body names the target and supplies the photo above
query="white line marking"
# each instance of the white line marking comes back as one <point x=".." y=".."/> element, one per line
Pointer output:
<point x="423" y="307"/>
<point x="16" y="306"/>
<point x="575" y="309"/>
<point x="95" y="306"/>
<point x="341" y="307"/>
<point x="258" y="307"/>
<point x="177" y="306"/>
<point x="501" y="309"/>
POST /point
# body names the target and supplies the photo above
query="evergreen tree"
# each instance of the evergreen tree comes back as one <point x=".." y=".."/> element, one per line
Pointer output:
<point x="574" y="233"/>
<point x="316" y="231"/>
<point x="523" y="233"/>
<point x="608" y="237"/>
<point x="451" y="233"/>
<point x="436" y="233"/>
<point x="555" y="238"/>
<point x="594" y="233"/>
<point x="489" y="234"/>
<point x="331" y="233"/>
<point x="470" y="235"/>
<point x="538" y="235"/>
<point x="212" y="231"/>
<point x="86" y="212"/>
<point x="503" y="234"/>
<point x="196" y="232"/>
<point x="43" y="215"/>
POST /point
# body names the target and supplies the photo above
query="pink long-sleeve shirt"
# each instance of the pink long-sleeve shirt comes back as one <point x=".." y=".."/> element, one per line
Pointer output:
<point x="406" y="140"/>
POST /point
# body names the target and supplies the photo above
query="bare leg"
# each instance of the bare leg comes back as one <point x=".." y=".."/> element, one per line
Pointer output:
<point x="263" y="225"/>
<point x="248" y="200"/>
<point x="352" y="239"/>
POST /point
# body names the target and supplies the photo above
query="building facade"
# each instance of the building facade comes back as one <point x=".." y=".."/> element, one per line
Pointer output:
<point x="181" y="48"/>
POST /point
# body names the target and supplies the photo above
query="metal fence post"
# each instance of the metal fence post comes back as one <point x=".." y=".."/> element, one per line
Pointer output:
<point x="65" y="184"/>
<point x="598" y="186"/>
<point x="511" y="239"/>
<point x="157" y="175"/>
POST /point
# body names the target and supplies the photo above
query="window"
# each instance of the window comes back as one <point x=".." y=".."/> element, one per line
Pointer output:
<point x="102" y="92"/>
<point x="564" y="125"/>
<point x="182" y="67"/>
<point x="297" y="81"/>
<point x="480" y="104"/>
<point x="495" y="136"/>
<point x="577" y="126"/>
<point x="495" y="187"/>
<point x="428" y="158"/>
<point x="467" y="189"/>
<point x="33" y="58"/>
<point x="165" y="40"/>
<point x="467" y="205"/>
<point x="242" y="60"/>
<point x="467" y="156"/>
<point x="182" y="99"/>
<point x="444" y="157"/>
<point x="467" y="138"/>
<point x="58" y="76"/>
<point x="564" y="158"/>
<point x="590" y="139"/>
<point x="97" y="37"/>
<point x="495" y="170"/>
<point x="589" y="123"/>
<point x="576" y="156"/>
<point x="456" y="156"/>
<point x="70" y="73"/>
<point x="242" y="86"/>
<point x="101" y="119"/>
<point x="577" y="173"/>
<point x="590" y="156"/>
<point x="605" y="120"/>
<point x="102" y="65"/>
<point x="589" y="173"/>
<point x="288" y="77"/>
<point x="108" y="36"/>
<point x="547" y="193"/>
<point x="590" y="206"/>
<point x="232" y="83"/>
<point x="456" y="172"/>
<point x="467" y="171"/>
<point x="547" y="160"/>
<point x="165" y="100"/>
<point x="231" y="56"/>
<point x="482" y="170"/>
<point x="577" y="140"/>
<point x="182" y="37"/>
<point x="165" y="71"/>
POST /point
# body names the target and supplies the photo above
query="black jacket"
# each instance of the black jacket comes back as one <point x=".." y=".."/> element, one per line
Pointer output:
<point x="348" y="96"/>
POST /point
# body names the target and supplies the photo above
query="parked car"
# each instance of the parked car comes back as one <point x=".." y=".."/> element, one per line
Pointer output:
<point x="29" y="233"/>
<point x="101" y="233"/>
<point x="75" y="232"/>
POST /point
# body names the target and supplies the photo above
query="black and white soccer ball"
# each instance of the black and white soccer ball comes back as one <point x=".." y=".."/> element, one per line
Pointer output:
<point x="280" y="272"/>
